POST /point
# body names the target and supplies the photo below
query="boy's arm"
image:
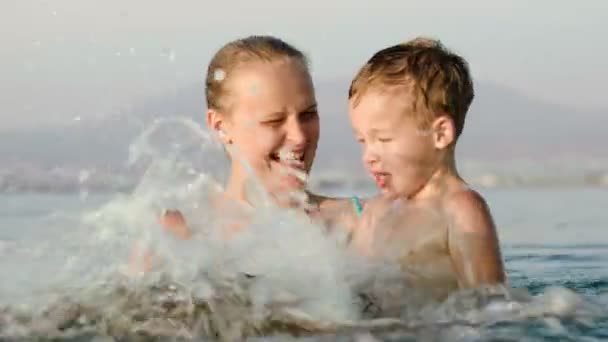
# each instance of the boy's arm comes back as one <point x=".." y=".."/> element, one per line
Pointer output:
<point x="473" y="242"/>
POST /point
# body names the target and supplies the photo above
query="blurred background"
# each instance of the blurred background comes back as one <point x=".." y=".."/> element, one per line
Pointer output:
<point x="82" y="78"/>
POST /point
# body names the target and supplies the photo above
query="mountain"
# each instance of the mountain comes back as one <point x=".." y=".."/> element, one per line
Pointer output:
<point x="502" y="124"/>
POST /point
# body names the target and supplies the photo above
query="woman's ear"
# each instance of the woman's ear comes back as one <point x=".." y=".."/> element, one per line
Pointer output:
<point x="443" y="131"/>
<point x="217" y="124"/>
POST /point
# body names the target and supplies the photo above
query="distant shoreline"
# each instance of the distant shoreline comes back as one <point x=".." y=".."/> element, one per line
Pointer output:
<point x="488" y="181"/>
<point x="72" y="179"/>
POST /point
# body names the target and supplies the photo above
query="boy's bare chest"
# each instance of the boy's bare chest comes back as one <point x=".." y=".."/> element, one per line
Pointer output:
<point x="413" y="234"/>
<point x="419" y="244"/>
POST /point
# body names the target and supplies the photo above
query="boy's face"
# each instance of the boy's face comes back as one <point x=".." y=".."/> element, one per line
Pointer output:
<point x="399" y="155"/>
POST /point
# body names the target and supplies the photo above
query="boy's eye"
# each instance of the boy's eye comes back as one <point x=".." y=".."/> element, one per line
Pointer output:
<point x="273" y="122"/>
<point x="384" y="139"/>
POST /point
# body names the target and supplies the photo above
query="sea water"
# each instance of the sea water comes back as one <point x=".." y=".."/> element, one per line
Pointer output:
<point x="66" y="273"/>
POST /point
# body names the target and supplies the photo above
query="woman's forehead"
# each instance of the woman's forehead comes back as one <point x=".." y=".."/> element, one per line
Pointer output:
<point x="271" y="88"/>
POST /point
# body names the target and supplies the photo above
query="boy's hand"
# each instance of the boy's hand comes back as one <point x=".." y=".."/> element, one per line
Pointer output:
<point x="473" y="242"/>
<point x="173" y="222"/>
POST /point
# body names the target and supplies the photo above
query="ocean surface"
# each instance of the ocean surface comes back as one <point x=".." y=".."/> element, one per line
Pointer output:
<point x="550" y="237"/>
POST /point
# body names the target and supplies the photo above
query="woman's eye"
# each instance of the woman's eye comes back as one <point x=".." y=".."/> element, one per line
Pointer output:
<point x="309" y="115"/>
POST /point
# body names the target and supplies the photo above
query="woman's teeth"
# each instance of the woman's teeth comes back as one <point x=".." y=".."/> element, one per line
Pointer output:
<point x="294" y="161"/>
<point x="290" y="156"/>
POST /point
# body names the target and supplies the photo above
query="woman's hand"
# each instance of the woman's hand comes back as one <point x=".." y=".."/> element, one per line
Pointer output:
<point x="173" y="222"/>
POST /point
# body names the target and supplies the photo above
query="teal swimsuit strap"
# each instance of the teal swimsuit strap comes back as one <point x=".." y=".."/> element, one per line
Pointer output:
<point x="358" y="206"/>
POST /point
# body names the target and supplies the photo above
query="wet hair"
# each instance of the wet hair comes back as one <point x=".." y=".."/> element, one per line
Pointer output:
<point x="235" y="54"/>
<point x="438" y="78"/>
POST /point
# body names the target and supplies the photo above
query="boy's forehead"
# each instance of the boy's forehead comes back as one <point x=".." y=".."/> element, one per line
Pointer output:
<point x="382" y="99"/>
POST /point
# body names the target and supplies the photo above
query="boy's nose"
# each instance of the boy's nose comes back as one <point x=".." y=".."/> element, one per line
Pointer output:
<point x="369" y="156"/>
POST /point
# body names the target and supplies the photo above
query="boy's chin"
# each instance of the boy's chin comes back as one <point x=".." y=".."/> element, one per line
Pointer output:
<point x="389" y="193"/>
<point x="393" y="193"/>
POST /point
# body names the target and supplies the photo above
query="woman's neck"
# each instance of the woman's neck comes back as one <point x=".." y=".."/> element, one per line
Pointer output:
<point x="236" y="190"/>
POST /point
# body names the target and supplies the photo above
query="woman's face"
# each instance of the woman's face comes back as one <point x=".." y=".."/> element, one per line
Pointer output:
<point x="273" y="124"/>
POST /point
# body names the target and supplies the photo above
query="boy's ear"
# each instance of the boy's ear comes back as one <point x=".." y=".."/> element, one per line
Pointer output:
<point x="443" y="131"/>
<point x="217" y="124"/>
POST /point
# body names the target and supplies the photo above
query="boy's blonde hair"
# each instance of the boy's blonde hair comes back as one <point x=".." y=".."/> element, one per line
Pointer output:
<point x="437" y="77"/>
<point x="236" y="53"/>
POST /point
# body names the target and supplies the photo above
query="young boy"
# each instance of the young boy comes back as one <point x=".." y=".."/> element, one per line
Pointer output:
<point x="407" y="107"/>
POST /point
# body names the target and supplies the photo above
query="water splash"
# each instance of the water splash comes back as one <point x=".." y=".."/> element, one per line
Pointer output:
<point x="282" y="275"/>
<point x="169" y="54"/>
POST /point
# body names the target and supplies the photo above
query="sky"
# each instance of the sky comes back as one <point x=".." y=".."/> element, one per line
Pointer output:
<point x="65" y="60"/>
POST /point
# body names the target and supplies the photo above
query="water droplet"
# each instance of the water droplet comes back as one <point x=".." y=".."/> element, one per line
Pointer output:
<point x="29" y="66"/>
<point x="219" y="75"/>
<point x="83" y="176"/>
<point x="423" y="132"/>
<point x="54" y="13"/>
<point x="77" y="118"/>
<point x="253" y="89"/>
<point x="169" y="54"/>
<point x="36" y="43"/>
<point x="117" y="53"/>
<point x="132" y="51"/>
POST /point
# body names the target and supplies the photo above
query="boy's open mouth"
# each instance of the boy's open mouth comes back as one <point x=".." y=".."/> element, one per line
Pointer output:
<point x="381" y="178"/>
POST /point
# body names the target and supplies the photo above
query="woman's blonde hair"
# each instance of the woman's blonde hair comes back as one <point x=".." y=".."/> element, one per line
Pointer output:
<point x="236" y="53"/>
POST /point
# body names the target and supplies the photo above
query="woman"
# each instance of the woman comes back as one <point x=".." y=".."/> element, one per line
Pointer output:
<point x="261" y="103"/>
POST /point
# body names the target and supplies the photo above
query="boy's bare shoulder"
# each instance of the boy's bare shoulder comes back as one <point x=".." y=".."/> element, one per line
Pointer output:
<point x="468" y="212"/>
<point x="473" y="240"/>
